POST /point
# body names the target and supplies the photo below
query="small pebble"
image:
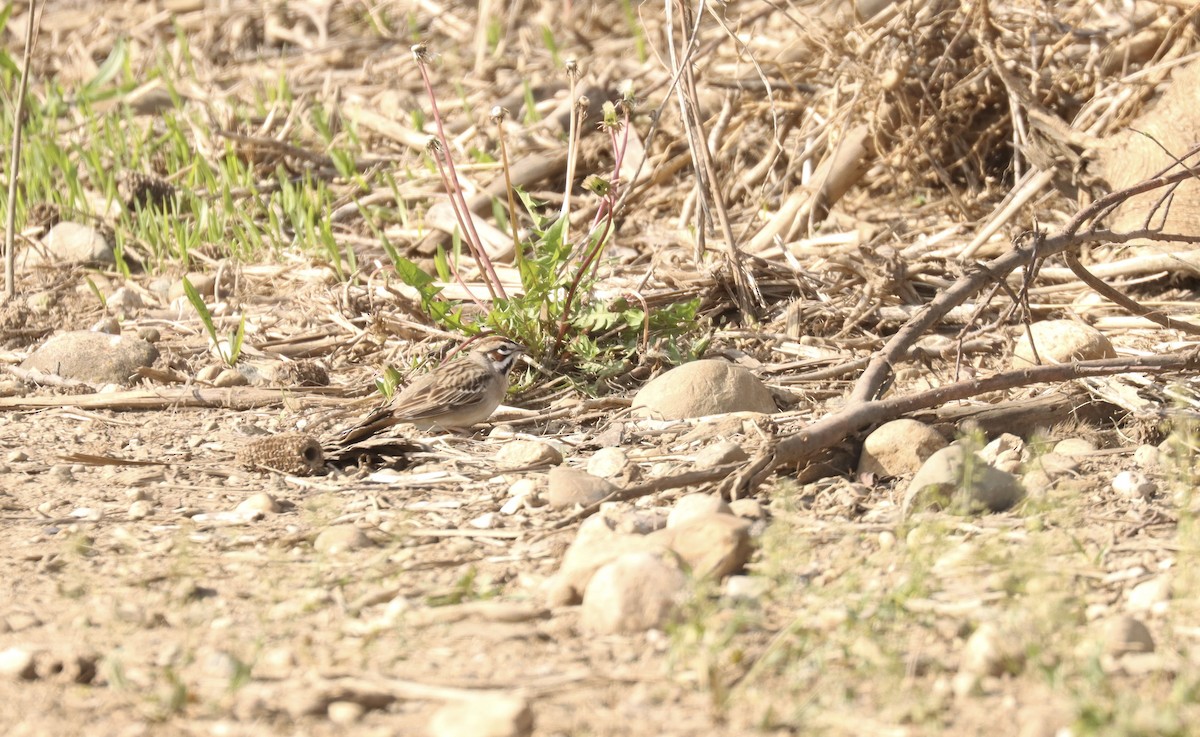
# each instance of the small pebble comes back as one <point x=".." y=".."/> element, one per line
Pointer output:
<point x="1133" y="485"/>
<point x="341" y="538"/>
<point x="140" y="509"/>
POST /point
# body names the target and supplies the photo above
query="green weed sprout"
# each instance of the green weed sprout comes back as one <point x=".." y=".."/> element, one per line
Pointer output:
<point x="229" y="351"/>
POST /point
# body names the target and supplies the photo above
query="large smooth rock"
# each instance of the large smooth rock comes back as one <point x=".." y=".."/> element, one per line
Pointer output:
<point x="954" y="478"/>
<point x="485" y="715"/>
<point x="712" y="545"/>
<point x="702" y="388"/>
<point x="70" y="243"/>
<point x="595" y="545"/>
<point x="898" y="448"/>
<point x="634" y="593"/>
<point x="568" y="487"/>
<point x="1061" y="341"/>
<point x="97" y="358"/>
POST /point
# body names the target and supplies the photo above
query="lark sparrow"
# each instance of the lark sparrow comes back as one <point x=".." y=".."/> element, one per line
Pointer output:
<point x="455" y="395"/>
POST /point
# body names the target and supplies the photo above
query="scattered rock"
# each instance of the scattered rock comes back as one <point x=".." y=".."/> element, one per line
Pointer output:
<point x="1056" y="465"/>
<point x="340" y="539"/>
<point x="1127" y="635"/>
<point x="125" y="302"/>
<point x="17" y="664"/>
<point x="696" y="505"/>
<point x="1147" y="457"/>
<point x="595" y="545"/>
<point x="634" y="593"/>
<point x="1134" y="485"/>
<point x="230" y="377"/>
<point x="295" y="454"/>
<point x="345" y="712"/>
<point x="1150" y="596"/>
<point x="70" y="243"/>
<point x="956" y="479"/>
<point x="528" y="454"/>
<point x="140" y="509"/>
<point x="702" y="388"/>
<point x="1006" y="452"/>
<point x="92" y="357"/>
<point x="485" y="715"/>
<point x="745" y="588"/>
<point x="992" y="651"/>
<point x="613" y="464"/>
<point x="258" y="505"/>
<point x="1074" y="447"/>
<point x="747" y="508"/>
<point x="1061" y="341"/>
<point x="713" y="545"/>
<point x="205" y="285"/>
<point x="898" y="448"/>
<point x="568" y="487"/>
<point x="107" y="325"/>
<point x="720" y="453"/>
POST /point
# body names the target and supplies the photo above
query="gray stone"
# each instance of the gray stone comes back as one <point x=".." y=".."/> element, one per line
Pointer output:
<point x="17" y="664"/>
<point x="712" y="545"/>
<point x="696" y="505"/>
<point x="1133" y="485"/>
<point x="70" y="243"/>
<point x="528" y="454"/>
<point x="702" y="388"/>
<point x="1074" y="447"/>
<point x="954" y="478"/>
<point x="634" y="593"/>
<point x="992" y="651"/>
<point x="485" y="715"/>
<point x="898" y="448"/>
<point x="595" y="545"/>
<point x="1061" y="341"/>
<point x="92" y="357"/>
<point x="613" y="464"/>
<point x="341" y="538"/>
<point x="1127" y="635"/>
<point x="568" y="487"/>
<point x="720" y="453"/>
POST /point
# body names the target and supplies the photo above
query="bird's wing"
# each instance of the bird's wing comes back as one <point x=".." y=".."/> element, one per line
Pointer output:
<point x="454" y="385"/>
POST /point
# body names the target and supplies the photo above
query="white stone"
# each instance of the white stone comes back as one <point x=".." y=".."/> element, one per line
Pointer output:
<point x="634" y="593"/>
<point x="1061" y="341"/>
<point x="898" y="448"/>
<point x="484" y="715"/>
<point x="1133" y="485"/>
<point x="701" y="388"/>
<point x="696" y="505"/>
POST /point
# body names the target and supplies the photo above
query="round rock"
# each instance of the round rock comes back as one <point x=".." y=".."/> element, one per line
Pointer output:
<point x="720" y="453"/>
<point x="72" y="243"/>
<point x="1061" y="341"/>
<point x="690" y="506"/>
<point x="341" y="538"/>
<point x="898" y="448"/>
<point x="1127" y="635"/>
<point x="702" y="388"/>
<point x="92" y="357"/>
<point x="568" y="487"/>
<point x="528" y="454"/>
<point x="483" y="716"/>
<point x="634" y="593"/>
<point x="956" y="479"/>
<point x="713" y="545"/>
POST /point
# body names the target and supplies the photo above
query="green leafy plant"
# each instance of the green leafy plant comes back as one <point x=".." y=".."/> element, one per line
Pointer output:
<point x="556" y="312"/>
<point x="229" y="350"/>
